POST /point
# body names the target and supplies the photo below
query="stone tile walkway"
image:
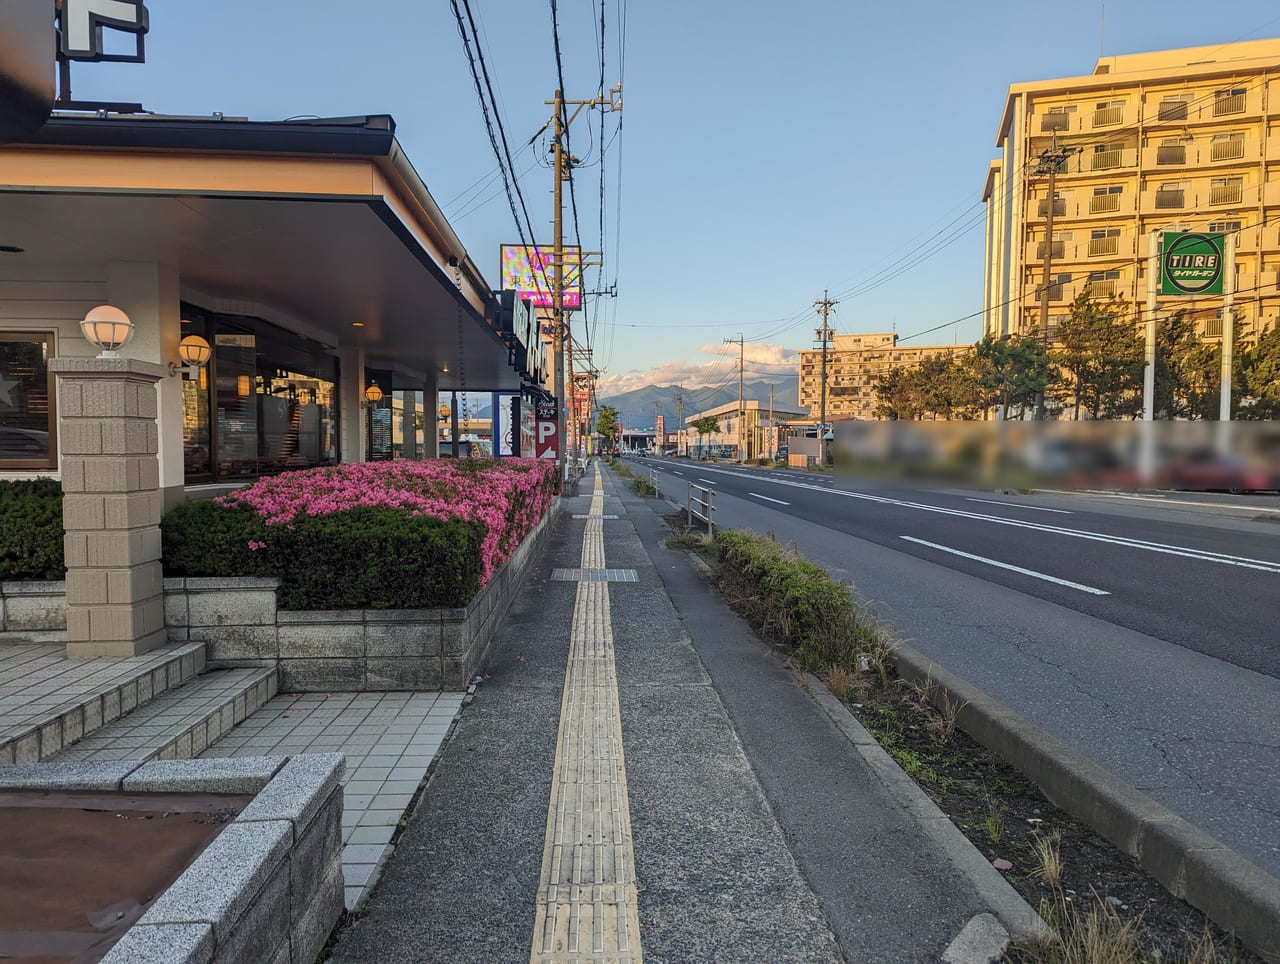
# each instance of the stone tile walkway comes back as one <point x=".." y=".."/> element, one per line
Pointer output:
<point x="389" y="739"/>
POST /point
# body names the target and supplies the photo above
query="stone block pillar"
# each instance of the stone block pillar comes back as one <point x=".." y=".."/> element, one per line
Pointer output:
<point x="108" y="440"/>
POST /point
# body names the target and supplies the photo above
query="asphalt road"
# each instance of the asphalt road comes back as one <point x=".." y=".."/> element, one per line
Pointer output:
<point x="1139" y="630"/>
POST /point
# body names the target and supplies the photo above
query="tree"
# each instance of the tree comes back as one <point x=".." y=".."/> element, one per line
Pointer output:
<point x="1015" y="369"/>
<point x="896" y="395"/>
<point x="1261" y="370"/>
<point x="1101" y="357"/>
<point x="607" y="427"/>
<point x="706" y="425"/>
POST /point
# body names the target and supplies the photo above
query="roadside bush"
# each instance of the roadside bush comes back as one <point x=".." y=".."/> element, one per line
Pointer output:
<point x="31" y="530"/>
<point x="793" y="601"/>
<point x="644" y="487"/>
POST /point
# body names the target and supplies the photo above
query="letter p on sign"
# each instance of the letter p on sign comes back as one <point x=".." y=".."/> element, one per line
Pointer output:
<point x="545" y="441"/>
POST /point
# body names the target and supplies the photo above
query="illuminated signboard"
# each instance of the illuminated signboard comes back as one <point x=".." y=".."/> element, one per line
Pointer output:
<point x="531" y="271"/>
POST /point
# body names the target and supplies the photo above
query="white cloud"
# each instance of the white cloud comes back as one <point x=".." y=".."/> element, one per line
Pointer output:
<point x="761" y="362"/>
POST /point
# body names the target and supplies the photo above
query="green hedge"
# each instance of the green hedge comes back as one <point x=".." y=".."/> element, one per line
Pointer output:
<point x="375" y="558"/>
<point x="31" y="530"/>
<point x="793" y="600"/>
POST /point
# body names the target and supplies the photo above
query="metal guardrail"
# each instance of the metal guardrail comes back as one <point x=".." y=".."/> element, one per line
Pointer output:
<point x="653" y="480"/>
<point x="703" y="509"/>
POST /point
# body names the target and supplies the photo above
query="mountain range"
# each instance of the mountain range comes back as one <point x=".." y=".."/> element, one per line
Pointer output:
<point x="636" y="408"/>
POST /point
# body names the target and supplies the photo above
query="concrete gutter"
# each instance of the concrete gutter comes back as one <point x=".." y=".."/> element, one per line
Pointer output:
<point x="1233" y="892"/>
<point x="1014" y="913"/>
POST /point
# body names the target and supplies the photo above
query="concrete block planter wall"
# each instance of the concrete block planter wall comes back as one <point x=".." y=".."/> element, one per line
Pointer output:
<point x="357" y="649"/>
<point x="33" y="612"/>
<point x="268" y="888"/>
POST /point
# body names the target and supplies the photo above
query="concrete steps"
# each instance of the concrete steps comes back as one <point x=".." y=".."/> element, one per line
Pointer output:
<point x="181" y="723"/>
<point x="49" y="701"/>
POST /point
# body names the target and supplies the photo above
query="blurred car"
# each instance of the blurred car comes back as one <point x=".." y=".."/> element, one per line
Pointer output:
<point x="1205" y="470"/>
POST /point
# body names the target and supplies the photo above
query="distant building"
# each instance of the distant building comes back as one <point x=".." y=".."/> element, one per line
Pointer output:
<point x="1178" y="140"/>
<point x="855" y="365"/>
<point x="748" y="430"/>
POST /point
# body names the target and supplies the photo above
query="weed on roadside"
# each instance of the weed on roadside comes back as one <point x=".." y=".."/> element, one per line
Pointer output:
<point x="1048" y="854"/>
<point x="993" y="820"/>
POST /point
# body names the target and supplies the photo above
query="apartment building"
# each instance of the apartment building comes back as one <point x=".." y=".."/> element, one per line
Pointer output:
<point x="1173" y="140"/>
<point x="855" y="364"/>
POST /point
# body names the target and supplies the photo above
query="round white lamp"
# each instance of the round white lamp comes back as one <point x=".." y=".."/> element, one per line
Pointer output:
<point x="107" y="328"/>
<point x="194" y="351"/>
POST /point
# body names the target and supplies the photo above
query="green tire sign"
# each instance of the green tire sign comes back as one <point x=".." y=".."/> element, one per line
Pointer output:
<point x="1191" y="263"/>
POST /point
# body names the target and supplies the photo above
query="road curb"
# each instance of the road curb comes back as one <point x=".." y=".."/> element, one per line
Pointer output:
<point x="996" y="892"/>
<point x="1230" y="890"/>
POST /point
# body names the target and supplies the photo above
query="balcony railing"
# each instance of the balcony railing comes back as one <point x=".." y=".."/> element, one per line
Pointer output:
<point x="1167" y="200"/>
<point x="1104" y="203"/>
<point x="1172" y="110"/>
<point x="1055" y="122"/>
<point x="1059" y="208"/>
<point x="1172" y="154"/>
<point x="1108" y="116"/>
<point x="1227" y="150"/>
<point x="1101" y="247"/>
<point x="1233" y="104"/>
<point x="1226" y="193"/>
<point x="1103" y="289"/>
<point x="1213" y="328"/>
<point x="1057" y="252"/>
<point x="1105" y="160"/>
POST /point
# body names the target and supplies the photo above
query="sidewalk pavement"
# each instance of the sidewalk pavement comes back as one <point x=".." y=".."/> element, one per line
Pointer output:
<point x="694" y="788"/>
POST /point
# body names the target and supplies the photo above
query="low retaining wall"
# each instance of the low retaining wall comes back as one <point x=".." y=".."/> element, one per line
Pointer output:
<point x="357" y="649"/>
<point x="268" y="888"/>
<point x="33" y="612"/>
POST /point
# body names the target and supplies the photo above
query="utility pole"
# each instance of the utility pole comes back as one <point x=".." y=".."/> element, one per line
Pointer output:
<point x="680" y="423"/>
<point x="772" y="447"/>
<point x="1049" y="163"/>
<point x="560" y="164"/>
<point x="824" y="333"/>
<point x="729" y="341"/>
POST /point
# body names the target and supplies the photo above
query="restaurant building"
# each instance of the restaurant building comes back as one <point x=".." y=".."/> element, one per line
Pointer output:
<point x="295" y="279"/>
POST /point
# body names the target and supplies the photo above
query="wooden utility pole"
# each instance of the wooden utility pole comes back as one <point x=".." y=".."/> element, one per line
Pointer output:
<point x="824" y="334"/>
<point x="1050" y="161"/>
<point x="729" y="341"/>
<point x="680" y="423"/>
<point x="561" y="161"/>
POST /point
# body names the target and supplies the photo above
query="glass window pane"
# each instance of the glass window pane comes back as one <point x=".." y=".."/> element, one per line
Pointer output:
<point x="26" y="408"/>
<point x="235" y="371"/>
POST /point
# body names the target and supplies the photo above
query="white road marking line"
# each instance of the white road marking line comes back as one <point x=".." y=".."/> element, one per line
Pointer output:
<point x="708" y="481"/>
<point x="1004" y="565"/>
<point x="1015" y="505"/>
<point x="767" y="499"/>
<point x="1204" y="555"/>
<point x="677" y="473"/>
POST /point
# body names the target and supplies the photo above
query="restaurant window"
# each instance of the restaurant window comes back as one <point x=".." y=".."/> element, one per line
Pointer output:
<point x="28" y="438"/>
<point x="266" y="403"/>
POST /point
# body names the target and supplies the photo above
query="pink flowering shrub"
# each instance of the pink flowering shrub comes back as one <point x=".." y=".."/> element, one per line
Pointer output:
<point x="506" y="497"/>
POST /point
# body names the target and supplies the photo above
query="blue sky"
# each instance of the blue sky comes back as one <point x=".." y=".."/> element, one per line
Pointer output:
<point x="768" y="151"/>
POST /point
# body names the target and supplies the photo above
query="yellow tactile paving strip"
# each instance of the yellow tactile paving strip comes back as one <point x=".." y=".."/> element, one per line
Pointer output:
<point x="587" y="892"/>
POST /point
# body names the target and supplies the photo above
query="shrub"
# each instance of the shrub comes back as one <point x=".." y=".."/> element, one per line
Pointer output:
<point x="376" y="558"/>
<point x="794" y="601"/>
<point x="209" y="539"/>
<point x="31" y="530"/>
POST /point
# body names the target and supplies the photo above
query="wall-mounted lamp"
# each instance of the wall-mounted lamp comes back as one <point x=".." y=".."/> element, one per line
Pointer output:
<point x="373" y="395"/>
<point x="195" y="354"/>
<point x="108" y="329"/>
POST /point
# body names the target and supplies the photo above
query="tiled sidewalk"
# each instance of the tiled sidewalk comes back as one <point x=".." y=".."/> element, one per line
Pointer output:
<point x="389" y="739"/>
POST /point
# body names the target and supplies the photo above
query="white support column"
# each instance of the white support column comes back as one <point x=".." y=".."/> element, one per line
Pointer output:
<point x="353" y="425"/>
<point x="1228" y="327"/>
<point x="148" y="293"/>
